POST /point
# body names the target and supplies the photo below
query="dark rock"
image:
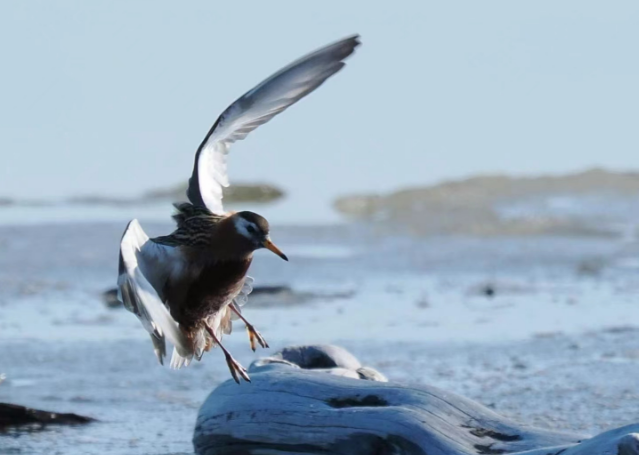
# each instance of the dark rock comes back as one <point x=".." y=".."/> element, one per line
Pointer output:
<point x="110" y="298"/>
<point x="12" y="415"/>
<point x="270" y="290"/>
<point x="262" y="296"/>
<point x="489" y="290"/>
<point x="280" y="296"/>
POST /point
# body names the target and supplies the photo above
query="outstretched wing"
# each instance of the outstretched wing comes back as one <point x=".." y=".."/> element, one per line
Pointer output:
<point x="258" y="106"/>
<point x="144" y="268"/>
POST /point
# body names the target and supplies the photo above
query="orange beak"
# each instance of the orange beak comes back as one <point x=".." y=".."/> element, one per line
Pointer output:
<point x="268" y="244"/>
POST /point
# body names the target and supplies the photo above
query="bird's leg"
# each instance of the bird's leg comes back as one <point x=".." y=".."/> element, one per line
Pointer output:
<point x="234" y="366"/>
<point x="253" y="333"/>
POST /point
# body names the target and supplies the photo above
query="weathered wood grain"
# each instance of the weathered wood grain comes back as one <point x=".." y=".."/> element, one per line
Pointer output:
<point x="293" y="406"/>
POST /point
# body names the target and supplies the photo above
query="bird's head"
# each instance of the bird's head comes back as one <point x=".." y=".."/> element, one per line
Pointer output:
<point x="255" y="229"/>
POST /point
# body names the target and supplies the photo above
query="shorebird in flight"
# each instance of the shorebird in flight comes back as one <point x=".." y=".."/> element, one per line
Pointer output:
<point x="189" y="285"/>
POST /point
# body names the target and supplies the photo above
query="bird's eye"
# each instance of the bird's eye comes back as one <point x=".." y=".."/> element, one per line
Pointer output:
<point x="251" y="229"/>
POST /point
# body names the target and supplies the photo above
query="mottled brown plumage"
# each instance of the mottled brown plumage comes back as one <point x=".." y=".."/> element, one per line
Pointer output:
<point x="214" y="284"/>
<point x="217" y="257"/>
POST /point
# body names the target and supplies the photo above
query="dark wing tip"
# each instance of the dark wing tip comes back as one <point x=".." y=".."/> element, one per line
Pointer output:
<point x="355" y="39"/>
<point x="346" y="46"/>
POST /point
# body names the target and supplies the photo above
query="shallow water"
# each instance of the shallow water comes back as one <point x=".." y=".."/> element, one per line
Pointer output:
<point x="555" y="346"/>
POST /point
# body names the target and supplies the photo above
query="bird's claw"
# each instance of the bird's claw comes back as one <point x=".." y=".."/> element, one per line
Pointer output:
<point x="236" y="369"/>
<point x="254" y="336"/>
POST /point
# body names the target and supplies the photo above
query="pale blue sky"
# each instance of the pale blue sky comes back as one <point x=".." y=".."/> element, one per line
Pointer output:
<point x="114" y="97"/>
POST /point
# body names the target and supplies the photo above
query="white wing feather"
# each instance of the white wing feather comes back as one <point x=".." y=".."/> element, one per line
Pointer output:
<point x="254" y="108"/>
<point x="142" y="263"/>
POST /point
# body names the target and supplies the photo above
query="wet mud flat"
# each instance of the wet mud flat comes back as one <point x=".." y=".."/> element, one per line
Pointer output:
<point x="542" y="330"/>
<point x="586" y="383"/>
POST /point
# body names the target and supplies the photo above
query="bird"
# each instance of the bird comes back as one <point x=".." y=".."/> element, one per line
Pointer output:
<point x="187" y="287"/>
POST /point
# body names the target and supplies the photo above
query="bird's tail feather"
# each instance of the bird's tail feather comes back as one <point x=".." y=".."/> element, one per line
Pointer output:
<point x="177" y="361"/>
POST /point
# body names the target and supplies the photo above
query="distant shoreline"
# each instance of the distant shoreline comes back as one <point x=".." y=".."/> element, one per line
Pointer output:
<point x="593" y="202"/>
<point x="239" y="193"/>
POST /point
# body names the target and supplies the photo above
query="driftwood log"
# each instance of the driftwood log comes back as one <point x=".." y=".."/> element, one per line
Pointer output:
<point x="293" y="406"/>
